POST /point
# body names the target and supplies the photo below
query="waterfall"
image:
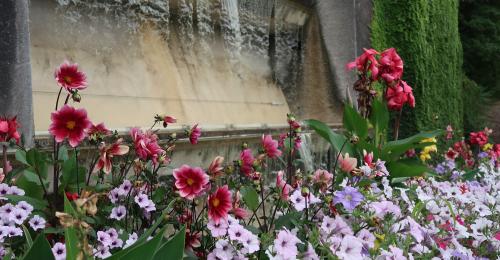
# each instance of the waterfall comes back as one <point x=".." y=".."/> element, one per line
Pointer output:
<point x="306" y="153"/>
<point x="230" y="24"/>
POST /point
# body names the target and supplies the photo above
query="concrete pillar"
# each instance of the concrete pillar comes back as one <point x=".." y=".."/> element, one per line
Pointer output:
<point x="345" y="32"/>
<point x="15" y="67"/>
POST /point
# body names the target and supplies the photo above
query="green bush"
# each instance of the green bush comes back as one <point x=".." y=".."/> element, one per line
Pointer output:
<point x="475" y="102"/>
<point x="425" y="34"/>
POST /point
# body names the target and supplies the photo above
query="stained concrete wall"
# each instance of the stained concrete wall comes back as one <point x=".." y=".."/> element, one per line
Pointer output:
<point x="15" y="68"/>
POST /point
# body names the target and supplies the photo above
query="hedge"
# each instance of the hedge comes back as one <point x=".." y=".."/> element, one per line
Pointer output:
<point x="425" y="34"/>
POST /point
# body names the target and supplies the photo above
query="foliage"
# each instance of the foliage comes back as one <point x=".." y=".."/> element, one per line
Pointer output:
<point x="425" y="33"/>
<point x="475" y="103"/>
<point x="480" y="34"/>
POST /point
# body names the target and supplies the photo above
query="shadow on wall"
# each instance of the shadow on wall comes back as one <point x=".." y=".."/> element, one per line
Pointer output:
<point x="210" y="65"/>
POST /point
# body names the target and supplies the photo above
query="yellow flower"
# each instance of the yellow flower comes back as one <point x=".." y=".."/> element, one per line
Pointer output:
<point x="487" y="147"/>
<point x="429" y="140"/>
<point x="425" y="156"/>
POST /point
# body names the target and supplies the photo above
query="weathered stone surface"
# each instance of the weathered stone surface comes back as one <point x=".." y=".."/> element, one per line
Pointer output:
<point x="15" y="68"/>
<point x="345" y="32"/>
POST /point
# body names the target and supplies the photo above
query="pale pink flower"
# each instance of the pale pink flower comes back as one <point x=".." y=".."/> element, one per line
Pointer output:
<point x="106" y="154"/>
<point x="346" y="163"/>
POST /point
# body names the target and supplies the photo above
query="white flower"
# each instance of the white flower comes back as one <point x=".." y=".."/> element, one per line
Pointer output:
<point x="37" y="222"/>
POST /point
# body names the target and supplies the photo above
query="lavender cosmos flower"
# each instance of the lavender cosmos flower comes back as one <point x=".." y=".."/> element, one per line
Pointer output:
<point x="132" y="238"/>
<point x="217" y="229"/>
<point x="285" y="244"/>
<point x="118" y="213"/>
<point x="37" y="222"/>
<point x="349" y="197"/>
<point x="59" y="251"/>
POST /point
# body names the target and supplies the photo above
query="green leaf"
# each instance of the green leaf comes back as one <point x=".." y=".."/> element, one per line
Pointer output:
<point x="469" y="175"/>
<point x="70" y="237"/>
<point x="40" y="250"/>
<point x="69" y="172"/>
<point x="21" y="156"/>
<point x="36" y="203"/>
<point x="287" y="220"/>
<point x="63" y="153"/>
<point x="250" y="197"/>
<point x="174" y="248"/>
<point x="145" y="251"/>
<point x="379" y="118"/>
<point x="38" y="160"/>
<point x="418" y="209"/>
<point x="26" y="232"/>
<point x="31" y="189"/>
<point x="354" y="122"/>
<point x="406" y="168"/>
<point x="393" y="150"/>
<point x="33" y="177"/>
<point x="335" y="140"/>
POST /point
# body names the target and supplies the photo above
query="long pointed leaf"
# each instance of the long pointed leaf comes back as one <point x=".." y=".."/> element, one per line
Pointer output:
<point x="70" y="236"/>
<point x="174" y="248"/>
<point x="40" y="250"/>
<point x="335" y="140"/>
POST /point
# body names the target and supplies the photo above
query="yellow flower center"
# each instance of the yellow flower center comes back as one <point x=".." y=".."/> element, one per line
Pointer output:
<point x="68" y="79"/>
<point x="190" y="181"/>
<point x="215" y="202"/>
<point x="70" y="125"/>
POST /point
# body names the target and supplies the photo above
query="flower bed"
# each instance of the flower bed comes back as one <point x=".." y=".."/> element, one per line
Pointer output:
<point x="382" y="199"/>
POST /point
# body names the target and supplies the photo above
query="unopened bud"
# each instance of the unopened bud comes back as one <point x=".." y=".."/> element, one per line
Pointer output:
<point x="76" y="97"/>
<point x="354" y="139"/>
<point x="305" y="191"/>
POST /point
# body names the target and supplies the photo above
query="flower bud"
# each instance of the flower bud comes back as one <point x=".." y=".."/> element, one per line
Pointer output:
<point x="305" y="191"/>
<point x="76" y="97"/>
<point x="354" y="139"/>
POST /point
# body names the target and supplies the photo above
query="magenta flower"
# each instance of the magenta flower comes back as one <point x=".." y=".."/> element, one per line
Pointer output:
<point x="98" y="130"/>
<point x="70" y="123"/>
<point x="106" y="154"/>
<point x="270" y="146"/>
<point x="323" y="178"/>
<point x="8" y="130"/>
<point x="70" y="78"/>
<point x="219" y="204"/>
<point x="366" y="62"/>
<point x="146" y="145"/>
<point x="194" y="134"/>
<point x="349" y="197"/>
<point x="190" y="181"/>
<point x="391" y="66"/>
<point x="168" y="120"/>
<point x="247" y="160"/>
<point x="398" y="95"/>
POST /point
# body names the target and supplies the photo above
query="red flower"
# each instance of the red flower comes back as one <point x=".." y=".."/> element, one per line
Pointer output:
<point x="451" y="154"/>
<point x="479" y="138"/>
<point x="69" y="122"/>
<point x="247" y="159"/>
<point x="168" y="120"/>
<point x="99" y="129"/>
<point x="219" y="204"/>
<point x="398" y="95"/>
<point x="365" y="63"/>
<point x="106" y="154"/>
<point x="270" y="146"/>
<point x="368" y="158"/>
<point x="194" y="134"/>
<point x="70" y="78"/>
<point x="190" y="181"/>
<point x="215" y="169"/>
<point x="8" y="130"/>
<point x="72" y="196"/>
<point x="391" y="66"/>
<point x="146" y="145"/>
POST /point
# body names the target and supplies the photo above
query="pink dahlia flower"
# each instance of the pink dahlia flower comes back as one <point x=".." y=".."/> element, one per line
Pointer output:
<point x="323" y="178"/>
<point x="69" y="122"/>
<point x="106" y="154"/>
<point x="270" y="146"/>
<point x="146" y="145"/>
<point x="347" y="164"/>
<point x="398" y="95"/>
<point x="479" y="138"/>
<point x="247" y="160"/>
<point x="219" y="204"/>
<point x="99" y="129"/>
<point x="190" y="181"/>
<point x="366" y="62"/>
<point x="215" y="169"/>
<point x="168" y="120"/>
<point x="194" y="134"/>
<point x="391" y="66"/>
<point x="284" y="189"/>
<point x="8" y="130"/>
<point x="70" y="78"/>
